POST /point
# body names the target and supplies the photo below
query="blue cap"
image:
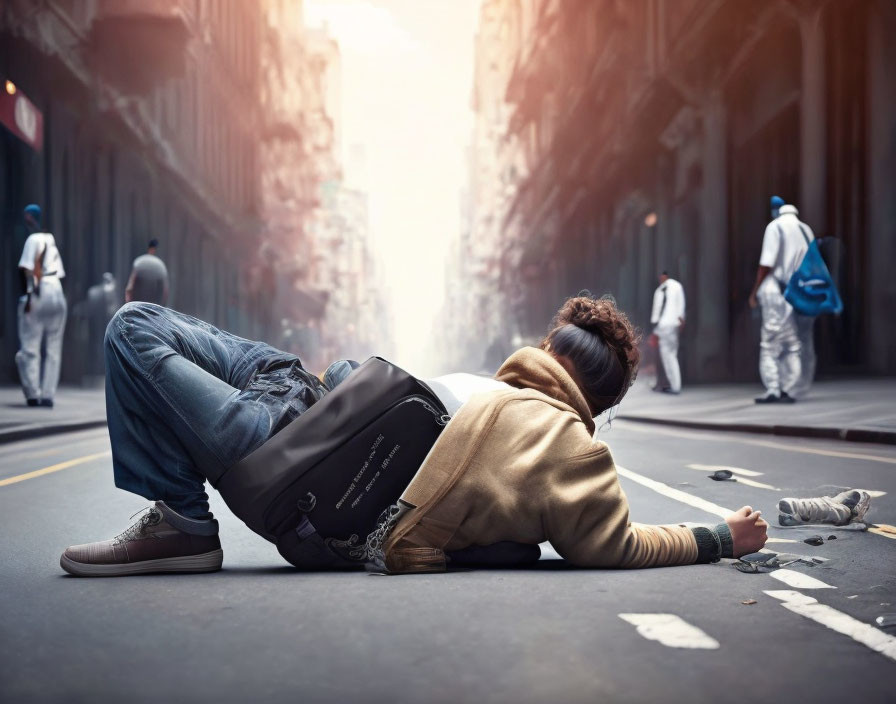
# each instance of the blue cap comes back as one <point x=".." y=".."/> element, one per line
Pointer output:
<point x="777" y="202"/>
<point x="33" y="210"/>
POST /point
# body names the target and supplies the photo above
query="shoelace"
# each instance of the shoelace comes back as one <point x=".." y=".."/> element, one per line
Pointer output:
<point x="150" y="518"/>
<point x="819" y="508"/>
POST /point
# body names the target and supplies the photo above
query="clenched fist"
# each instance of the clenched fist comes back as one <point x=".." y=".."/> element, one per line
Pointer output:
<point x="748" y="531"/>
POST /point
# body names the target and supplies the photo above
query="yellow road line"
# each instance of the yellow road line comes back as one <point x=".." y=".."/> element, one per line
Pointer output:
<point x="54" y="468"/>
<point x="884" y="530"/>
<point x="730" y="437"/>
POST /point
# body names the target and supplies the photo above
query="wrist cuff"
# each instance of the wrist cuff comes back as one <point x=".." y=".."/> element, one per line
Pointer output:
<point x="709" y="546"/>
<point x="724" y="533"/>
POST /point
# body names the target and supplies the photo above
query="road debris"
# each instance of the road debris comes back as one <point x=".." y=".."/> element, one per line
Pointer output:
<point x="814" y="540"/>
<point x="749" y="567"/>
<point x="748" y="602"/>
<point x="757" y="562"/>
<point x="886" y="622"/>
<point x="722" y="475"/>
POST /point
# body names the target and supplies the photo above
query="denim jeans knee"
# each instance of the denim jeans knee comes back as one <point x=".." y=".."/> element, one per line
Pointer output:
<point x="338" y="371"/>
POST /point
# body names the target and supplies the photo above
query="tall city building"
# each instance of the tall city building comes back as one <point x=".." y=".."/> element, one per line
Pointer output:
<point x="633" y="137"/>
<point x="150" y="119"/>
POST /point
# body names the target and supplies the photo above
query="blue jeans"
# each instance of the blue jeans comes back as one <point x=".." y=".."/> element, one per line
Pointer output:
<point x="185" y="401"/>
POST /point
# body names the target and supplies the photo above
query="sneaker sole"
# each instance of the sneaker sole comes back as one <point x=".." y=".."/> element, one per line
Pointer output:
<point x="206" y="562"/>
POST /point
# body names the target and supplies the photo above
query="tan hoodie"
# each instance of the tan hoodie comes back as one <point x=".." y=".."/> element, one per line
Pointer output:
<point x="520" y="465"/>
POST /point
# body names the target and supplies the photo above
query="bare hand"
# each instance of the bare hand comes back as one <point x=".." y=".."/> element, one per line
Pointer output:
<point x="748" y="531"/>
<point x="753" y="301"/>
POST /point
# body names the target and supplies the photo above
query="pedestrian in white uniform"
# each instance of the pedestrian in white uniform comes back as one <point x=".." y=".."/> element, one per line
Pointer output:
<point x="783" y="248"/>
<point x="42" y="312"/>
<point x="667" y="318"/>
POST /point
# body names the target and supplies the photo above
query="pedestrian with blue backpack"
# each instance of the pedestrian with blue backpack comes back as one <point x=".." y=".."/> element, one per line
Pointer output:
<point x="792" y="287"/>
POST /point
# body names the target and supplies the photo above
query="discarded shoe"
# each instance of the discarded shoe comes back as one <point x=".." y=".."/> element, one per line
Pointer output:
<point x="858" y="502"/>
<point x="846" y="507"/>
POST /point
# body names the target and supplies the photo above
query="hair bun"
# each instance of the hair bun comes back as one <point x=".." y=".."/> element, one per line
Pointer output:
<point x="582" y="312"/>
<point x="601" y="317"/>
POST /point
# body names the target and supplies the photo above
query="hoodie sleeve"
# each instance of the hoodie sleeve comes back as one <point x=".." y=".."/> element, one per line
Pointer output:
<point x="586" y="519"/>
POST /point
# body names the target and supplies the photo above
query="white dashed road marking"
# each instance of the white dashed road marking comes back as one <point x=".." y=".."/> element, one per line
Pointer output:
<point x="837" y="621"/>
<point x="673" y="493"/>
<point x="703" y="504"/>
<point x="798" y="580"/>
<point x="743" y="475"/>
<point x="716" y="467"/>
<point x="670" y="630"/>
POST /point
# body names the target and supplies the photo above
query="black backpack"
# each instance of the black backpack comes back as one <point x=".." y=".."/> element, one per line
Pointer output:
<point x="317" y="488"/>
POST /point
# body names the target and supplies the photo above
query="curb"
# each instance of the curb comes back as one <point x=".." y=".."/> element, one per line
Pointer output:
<point x="38" y="430"/>
<point x="886" y="437"/>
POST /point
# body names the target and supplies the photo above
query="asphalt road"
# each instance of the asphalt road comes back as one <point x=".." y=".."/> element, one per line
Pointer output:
<point x="260" y="631"/>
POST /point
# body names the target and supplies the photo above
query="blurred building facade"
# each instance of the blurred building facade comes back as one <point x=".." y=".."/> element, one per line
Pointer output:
<point x="593" y="114"/>
<point x="151" y="117"/>
<point x="211" y="126"/>
<point x="330" y="300"/>
<point x="298" y="155"/>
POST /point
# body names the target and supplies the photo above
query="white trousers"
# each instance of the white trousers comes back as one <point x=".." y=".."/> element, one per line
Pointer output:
<point x="779" y="341"/>
<point x="805" y="329"/>
<point x="668" y="344"/>
<point x="43" y="326"/>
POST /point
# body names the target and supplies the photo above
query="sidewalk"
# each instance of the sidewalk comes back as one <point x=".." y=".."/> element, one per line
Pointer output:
<point x="860" y="410"/>
<point x="75" y="409"/>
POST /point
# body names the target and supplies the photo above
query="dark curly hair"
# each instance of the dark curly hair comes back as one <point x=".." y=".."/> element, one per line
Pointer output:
<point x="602" y="345"/>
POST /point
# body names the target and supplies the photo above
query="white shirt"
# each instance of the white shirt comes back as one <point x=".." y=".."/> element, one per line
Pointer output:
<point x="668" y="315"/>
<point x="783" y="245"/>
<point x="454" y="390"/>
<point x="34" y="245"/>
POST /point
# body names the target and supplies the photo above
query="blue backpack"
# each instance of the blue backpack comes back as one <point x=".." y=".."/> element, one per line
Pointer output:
<point x="811" y="290"/>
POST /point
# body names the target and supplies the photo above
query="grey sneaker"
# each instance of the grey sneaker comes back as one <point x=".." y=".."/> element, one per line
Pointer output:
<point x="857" y="501"/>
<point x="846" y="507"/>
<point x="161" y="540"/>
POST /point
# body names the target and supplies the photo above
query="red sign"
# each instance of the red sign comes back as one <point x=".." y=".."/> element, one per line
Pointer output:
<point x="20" y="116"/>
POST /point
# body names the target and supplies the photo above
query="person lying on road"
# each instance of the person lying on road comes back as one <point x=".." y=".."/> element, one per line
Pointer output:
<point x="515" y="466"/>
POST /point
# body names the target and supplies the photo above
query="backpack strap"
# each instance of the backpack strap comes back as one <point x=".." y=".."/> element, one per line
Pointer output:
<point x="306" y="549"/>
<point x="802" y="231"/>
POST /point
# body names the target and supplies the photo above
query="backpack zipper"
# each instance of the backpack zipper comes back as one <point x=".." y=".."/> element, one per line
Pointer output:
<point x="441" y="418"/>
